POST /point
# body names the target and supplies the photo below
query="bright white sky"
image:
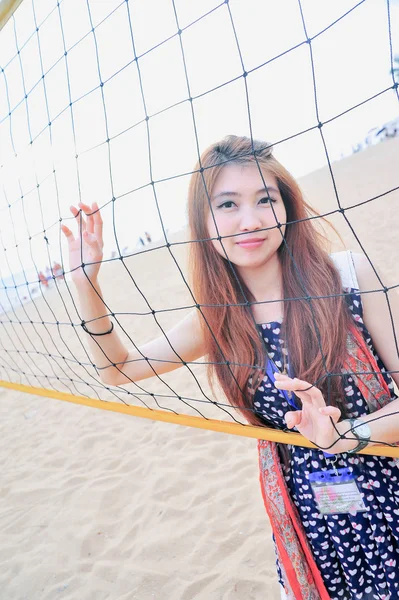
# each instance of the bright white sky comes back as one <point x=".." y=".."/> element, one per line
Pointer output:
<point x="351" y="61"/>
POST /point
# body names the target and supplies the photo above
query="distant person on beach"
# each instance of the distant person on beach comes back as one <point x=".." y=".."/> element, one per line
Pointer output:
<point x="43" y="279"/>
<point x="141" y="241"/>
<point x="148" y="237"/>
<point x="300" y="345"/>
<point x="58" y="271"/>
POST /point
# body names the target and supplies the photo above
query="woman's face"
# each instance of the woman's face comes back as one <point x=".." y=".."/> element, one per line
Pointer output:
<point x="243" y="213"/>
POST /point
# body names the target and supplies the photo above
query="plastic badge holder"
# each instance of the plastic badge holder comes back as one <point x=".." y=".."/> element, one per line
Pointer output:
<point x="336" y="492"/>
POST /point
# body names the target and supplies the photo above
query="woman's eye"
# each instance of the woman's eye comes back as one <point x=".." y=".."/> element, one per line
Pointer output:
<point x="227" y="204"/>
<point x="266" y="200"/>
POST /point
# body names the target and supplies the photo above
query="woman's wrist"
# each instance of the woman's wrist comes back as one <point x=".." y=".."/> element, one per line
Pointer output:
<point x="84" y="284"/>
<point x="346" y="440"/>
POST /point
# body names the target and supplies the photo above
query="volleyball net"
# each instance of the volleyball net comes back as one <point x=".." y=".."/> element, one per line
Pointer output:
<point x="113" y="102"/>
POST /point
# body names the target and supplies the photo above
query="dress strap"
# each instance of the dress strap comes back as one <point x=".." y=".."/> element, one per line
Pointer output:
<point x="346" y="267"/>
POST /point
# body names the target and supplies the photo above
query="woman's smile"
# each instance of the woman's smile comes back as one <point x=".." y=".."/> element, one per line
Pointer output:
<point x="250" y="244"/>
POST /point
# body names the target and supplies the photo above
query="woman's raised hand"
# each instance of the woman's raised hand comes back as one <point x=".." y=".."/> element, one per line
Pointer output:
<point x="316" y="420"/>
<point x="87" y="247"/>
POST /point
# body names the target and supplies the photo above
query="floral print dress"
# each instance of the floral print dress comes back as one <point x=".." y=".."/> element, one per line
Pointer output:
<point x="357" y="555"/>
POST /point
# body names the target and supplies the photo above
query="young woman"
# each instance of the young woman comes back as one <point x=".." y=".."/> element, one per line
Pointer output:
<point x="295" y="342"/>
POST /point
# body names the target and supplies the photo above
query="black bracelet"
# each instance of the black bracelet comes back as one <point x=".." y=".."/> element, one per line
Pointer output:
<point x="91" y="333"/>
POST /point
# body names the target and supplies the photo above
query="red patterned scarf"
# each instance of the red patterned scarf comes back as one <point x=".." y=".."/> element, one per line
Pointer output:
<point x="301" y="576"/>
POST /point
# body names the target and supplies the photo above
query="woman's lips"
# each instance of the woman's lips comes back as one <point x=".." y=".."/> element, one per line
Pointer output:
<point x="252" y="243"/>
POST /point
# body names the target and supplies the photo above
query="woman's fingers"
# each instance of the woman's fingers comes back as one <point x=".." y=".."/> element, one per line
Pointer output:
<point x="331" y="411"/>
<point x="293" y="418"/>
<point x="288" y="383"/>
<point x="94" y="220"/>
<point x="79" y="219"/>
<point x="304" y="390"/>
<point x="68" y="233"/>
<point x="89" y="229"/>
<point x="98" y="222"/>
<point x="89" y="238"/>
<point x="89" y="216"/>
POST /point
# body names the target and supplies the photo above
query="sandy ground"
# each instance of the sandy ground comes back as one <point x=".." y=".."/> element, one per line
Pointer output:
<point x="96" y="505"/>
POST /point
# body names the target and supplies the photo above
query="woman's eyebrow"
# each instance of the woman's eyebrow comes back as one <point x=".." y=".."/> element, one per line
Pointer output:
<point x="223" y="194"/>
<point x="236" y="194"/>
<point x="267" y="189"/>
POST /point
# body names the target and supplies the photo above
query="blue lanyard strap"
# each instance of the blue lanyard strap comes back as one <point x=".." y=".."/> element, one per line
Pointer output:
<point x="271" y="369"/>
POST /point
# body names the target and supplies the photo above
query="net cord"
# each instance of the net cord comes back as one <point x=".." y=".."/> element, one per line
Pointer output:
<point x="308" y="298"/>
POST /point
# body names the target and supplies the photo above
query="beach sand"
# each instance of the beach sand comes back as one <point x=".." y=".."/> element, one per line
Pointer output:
<point x="96" y="505"/>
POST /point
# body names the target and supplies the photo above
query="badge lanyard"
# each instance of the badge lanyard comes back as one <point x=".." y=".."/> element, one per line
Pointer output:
<point x="335" y="490"/>
<point x="271" y="370"/>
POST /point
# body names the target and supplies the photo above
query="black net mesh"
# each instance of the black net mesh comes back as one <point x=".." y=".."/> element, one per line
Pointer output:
<point x="114" y="102"/>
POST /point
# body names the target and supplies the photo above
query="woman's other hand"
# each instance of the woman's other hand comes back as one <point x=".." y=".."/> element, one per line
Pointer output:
<point x="87" y="247"/>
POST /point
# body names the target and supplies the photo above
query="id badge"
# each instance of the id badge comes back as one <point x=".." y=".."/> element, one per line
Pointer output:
<point x="336" y="491"/>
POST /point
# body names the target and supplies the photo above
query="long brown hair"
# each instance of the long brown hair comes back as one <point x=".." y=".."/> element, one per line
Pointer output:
<point x="309" y="325"/>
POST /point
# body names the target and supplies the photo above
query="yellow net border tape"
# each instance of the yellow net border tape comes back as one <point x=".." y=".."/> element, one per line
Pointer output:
<point x="7" y="8"/>
<point x="261" y="433"/>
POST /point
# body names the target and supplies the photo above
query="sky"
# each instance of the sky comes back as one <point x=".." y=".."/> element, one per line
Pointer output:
<point x="351" y="62"/>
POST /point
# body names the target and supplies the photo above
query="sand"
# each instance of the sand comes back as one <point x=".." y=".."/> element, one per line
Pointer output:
<point x="96" y="505"/>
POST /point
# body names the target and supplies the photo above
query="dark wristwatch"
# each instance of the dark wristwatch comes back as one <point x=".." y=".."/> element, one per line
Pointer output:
<point x="361" y="431"/>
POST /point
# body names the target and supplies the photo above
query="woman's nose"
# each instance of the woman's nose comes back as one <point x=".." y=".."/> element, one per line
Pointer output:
<point x="250" y="221"/>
